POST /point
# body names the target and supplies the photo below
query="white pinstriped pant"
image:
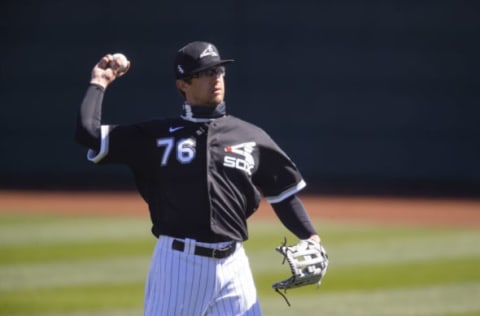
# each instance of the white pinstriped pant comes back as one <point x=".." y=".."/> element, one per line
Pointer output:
<point x="183" y="284"/>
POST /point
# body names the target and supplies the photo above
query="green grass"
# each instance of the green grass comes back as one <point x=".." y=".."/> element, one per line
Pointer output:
<point x="74" y="298"/>
<point x="63" y="252"/>
<point x="86" y="265"/>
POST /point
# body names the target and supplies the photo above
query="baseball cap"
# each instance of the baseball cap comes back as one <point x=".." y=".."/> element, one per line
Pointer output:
<point x="197" y="56"/>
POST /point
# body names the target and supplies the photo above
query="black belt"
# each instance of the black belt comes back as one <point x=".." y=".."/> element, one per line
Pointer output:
<point x="207" y="252"/>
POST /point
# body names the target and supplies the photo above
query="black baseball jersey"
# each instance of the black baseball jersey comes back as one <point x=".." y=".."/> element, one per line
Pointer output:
<point x="201" y="178"/>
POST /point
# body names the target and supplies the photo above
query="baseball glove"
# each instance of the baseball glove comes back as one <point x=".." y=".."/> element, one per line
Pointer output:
<point x="308" y="263"/>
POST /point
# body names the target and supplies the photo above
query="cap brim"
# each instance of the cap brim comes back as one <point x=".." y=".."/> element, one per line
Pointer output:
<point x="217" y="63"/>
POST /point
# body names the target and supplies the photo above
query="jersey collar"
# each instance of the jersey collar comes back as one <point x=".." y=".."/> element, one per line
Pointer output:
<point x="202" y="114"/>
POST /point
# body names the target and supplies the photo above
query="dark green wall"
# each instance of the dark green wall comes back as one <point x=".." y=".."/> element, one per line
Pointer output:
<point x="364" y="95"/>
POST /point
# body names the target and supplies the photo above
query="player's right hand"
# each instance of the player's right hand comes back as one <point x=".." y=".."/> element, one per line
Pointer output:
<point x="103" y="74"/>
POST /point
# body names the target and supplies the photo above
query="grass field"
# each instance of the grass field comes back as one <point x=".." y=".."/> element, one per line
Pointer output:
<point x="92" y="265"/>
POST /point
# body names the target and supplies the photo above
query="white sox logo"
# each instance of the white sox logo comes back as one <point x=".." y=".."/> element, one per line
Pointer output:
<point x="245" y="162"/>
<point x="209" y="51"/>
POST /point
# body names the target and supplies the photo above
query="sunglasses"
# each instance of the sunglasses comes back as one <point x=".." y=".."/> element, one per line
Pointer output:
<point x="210" y="72"/>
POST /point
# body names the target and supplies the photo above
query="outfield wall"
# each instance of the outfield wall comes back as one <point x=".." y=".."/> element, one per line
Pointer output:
<point x="361" y="94"/>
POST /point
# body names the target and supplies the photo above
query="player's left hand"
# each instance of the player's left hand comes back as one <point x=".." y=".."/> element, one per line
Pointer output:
<point x="308" y="263"/>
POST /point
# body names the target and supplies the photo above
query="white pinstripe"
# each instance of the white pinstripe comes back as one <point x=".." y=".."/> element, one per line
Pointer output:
<point x="184" y="284"/>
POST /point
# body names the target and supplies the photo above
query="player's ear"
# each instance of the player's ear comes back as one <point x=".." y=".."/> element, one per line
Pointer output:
<point x="181" y="85"/>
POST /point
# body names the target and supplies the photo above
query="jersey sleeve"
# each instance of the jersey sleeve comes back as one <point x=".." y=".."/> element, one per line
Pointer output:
<point x="277" y="176"/>
<point x="118" y="144"/>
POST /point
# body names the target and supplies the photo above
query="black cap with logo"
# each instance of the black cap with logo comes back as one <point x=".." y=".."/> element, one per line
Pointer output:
<point x="195" y="57"/>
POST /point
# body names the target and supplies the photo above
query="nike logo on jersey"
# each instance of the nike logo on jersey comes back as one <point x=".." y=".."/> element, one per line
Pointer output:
<point x="245" y="162"/>
<point x="174" y="129"/>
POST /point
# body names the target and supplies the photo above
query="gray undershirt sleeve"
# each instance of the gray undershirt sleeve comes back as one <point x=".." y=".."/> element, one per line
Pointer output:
<point x="294" y="217"/>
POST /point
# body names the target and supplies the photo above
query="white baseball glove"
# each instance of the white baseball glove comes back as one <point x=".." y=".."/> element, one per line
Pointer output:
<point x="308" y="263"/>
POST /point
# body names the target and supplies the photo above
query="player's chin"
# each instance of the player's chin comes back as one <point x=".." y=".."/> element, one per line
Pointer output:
<point x="217" y="97"/>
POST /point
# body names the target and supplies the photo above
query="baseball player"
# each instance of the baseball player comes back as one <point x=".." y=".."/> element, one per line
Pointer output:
<point x="202" y="175"/>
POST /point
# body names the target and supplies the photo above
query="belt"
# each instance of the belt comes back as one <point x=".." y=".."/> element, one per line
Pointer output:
<point x="207" y="252"/>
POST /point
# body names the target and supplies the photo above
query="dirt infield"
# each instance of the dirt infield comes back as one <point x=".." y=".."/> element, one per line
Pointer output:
<point x="444" y="212"/>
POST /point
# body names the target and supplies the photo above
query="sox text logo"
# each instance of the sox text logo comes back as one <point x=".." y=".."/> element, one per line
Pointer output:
<point x="245" y="162"/>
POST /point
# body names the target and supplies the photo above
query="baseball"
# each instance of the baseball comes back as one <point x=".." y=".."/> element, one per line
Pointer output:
<point x="120" y="62"/>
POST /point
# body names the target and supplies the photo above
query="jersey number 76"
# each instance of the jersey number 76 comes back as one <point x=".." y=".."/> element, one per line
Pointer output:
<point x="185" y="149"/>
